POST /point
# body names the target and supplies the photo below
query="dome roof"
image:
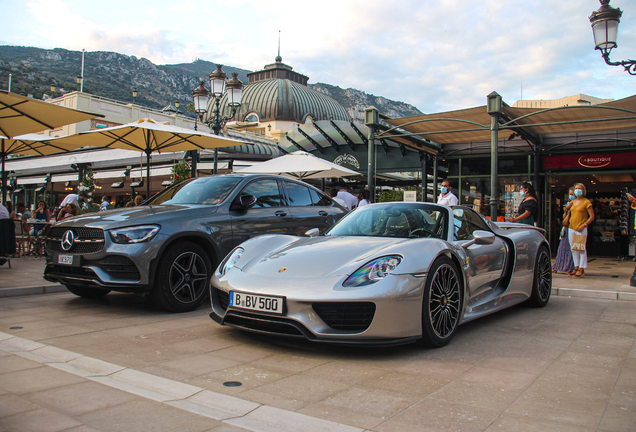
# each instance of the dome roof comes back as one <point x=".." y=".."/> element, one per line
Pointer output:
<point x="279" y="93"/>
<point x="283" y="99"/>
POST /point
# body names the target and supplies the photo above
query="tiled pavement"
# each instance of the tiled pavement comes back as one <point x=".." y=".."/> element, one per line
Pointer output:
<point x="119" y="364"/>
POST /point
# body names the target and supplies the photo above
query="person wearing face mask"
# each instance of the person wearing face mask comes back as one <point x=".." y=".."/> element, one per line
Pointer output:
<point x="563" y="262"/>
<point x="529" y="207"/>
<point x="446" y="197"/>
<point x="581" y="216"/>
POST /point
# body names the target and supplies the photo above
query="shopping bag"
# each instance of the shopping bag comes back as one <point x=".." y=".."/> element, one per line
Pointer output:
<point x="578" y="242"/>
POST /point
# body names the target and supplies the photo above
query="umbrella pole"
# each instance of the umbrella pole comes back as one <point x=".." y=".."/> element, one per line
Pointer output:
<point x="147" y="175"/>
<point x="4" y="180"/>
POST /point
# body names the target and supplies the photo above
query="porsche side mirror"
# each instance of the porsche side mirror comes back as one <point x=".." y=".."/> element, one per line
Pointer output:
<point x="244" y="202"/>
<point x="314" y="232"/>
<point x="480" y="237"/>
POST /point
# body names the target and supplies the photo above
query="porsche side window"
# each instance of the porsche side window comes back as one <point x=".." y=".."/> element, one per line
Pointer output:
<point x="266" y="192"/>
<point x="297" y="195"/>
<point x="461" y="229"/>
<point x="466" y="223"/>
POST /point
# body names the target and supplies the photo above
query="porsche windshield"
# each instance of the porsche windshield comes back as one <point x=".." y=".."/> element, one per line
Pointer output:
<point x="202" y="190"/>
<point x="394" y="220"/>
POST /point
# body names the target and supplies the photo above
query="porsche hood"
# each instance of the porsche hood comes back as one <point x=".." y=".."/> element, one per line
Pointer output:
<point x="310" y="258"/>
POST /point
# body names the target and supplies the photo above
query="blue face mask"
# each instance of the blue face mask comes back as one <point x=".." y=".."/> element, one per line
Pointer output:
<point x="444" y="190"/>
<point x="572" y="197"/>
<point x="578" y="192"/>
<point x="522" y="193"/>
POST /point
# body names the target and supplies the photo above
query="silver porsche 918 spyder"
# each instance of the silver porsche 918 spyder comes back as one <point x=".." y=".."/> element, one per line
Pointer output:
<point x="386" y="274"/>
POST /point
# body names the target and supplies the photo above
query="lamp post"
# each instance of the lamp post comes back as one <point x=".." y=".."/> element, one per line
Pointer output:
<point x="371" y="120"/>
<point x="605" y="28"/>
<point x="494" y="108"/>
<point x="134" y="94"/>
<point x="220" y="86"/>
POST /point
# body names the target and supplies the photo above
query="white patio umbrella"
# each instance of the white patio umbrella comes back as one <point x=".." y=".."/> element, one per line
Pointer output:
<point x="29" y="144"/>
<point x="149" y="136"/>
<point x="24" y="115"/>
<point x="300" y="165"/>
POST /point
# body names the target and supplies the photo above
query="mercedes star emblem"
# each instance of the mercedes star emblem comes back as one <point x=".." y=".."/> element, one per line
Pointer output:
<point x="67" y="240"/>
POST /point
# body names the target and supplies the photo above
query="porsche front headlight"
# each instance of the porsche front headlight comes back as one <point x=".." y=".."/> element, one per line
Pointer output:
<point x="373" y="271"/>
<point x="137" y="234"/>
<point x="231" y="260"/>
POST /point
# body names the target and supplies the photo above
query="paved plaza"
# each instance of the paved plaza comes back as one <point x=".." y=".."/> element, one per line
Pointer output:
<point x="118" y="363"/>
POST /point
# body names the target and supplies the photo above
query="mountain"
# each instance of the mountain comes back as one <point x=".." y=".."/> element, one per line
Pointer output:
<point x="113" y="75"/>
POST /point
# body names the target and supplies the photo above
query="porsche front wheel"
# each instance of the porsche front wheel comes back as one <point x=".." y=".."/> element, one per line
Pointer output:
<point x="441" y="305"/>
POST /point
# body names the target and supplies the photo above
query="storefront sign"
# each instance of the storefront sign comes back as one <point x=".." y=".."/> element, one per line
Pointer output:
<point x="590" y="161"/>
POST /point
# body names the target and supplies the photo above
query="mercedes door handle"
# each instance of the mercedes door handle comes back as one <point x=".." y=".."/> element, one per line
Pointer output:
<point x="323" y="213"/>
<point x="281" y="213"/>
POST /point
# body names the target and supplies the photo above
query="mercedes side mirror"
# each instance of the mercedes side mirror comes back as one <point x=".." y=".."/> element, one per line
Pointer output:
<point x="244" y="202"/>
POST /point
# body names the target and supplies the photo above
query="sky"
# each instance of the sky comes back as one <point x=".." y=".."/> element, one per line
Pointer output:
<point x="436" y="55"/>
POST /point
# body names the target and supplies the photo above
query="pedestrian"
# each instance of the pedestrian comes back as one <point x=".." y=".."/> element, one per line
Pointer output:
<point x="364" y="198"/>
<point x="105" y="203"/>
<point x="7" y="234"/>
<point x="333" y="193"/>
<point x="25" y="213"/>
<point x="41" y="213"/>
<point x="9" y="206"/>
<point x="529" y="207"/>
<point x="446" y="197"/>
<point x="138" y="200"/>
<point x="563" y="262"/>
<point x="632" y="200"/>
<point x="78" y="199"/>
<point x="581" y="216"/>
<point x="69" y="210"/>
<point x="350" y="200"/>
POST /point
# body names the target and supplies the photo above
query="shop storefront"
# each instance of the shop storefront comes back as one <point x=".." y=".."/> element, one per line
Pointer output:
<point x="607" y="177"/>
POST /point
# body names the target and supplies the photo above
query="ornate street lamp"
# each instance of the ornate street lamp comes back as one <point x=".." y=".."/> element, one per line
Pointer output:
<point x="219" y="85"/>
<point x="605" y="27"/>
<point x="134" y="94"/>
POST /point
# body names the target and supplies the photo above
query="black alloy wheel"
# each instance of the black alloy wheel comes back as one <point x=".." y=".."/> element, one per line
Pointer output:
<point x="441" y="306"/>
<point x="182" y="279"/>
<point x="542" y="283"/>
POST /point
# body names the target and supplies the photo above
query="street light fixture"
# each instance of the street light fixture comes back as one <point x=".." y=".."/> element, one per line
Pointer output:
<point x="134" y="93"/>
<point x="605" y="27"/>
<point x="220" y="86"/>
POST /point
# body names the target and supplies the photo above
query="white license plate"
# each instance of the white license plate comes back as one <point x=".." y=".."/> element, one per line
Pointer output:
<point x="257" y="302"/>
<point x="65" y="259"/>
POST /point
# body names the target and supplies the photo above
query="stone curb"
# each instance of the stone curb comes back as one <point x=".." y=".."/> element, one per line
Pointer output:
<point x="227" y="409"/>
<point x="22" y="291"/>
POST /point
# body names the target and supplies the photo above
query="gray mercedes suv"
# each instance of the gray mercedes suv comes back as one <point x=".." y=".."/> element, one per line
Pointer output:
<point x="171" y="245"/>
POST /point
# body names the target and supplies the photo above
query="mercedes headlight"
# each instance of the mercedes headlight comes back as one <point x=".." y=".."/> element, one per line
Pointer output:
<point x="373" y="271"/>
<point x="137" y="234"/>
<point x="231" y="260"/>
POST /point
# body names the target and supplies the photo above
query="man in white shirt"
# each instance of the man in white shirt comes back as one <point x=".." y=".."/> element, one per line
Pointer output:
<point x="78" y="200"/>
<point x="333" y="193"/>
<point x="350" y="200"/>
<point x="446" y="197"/>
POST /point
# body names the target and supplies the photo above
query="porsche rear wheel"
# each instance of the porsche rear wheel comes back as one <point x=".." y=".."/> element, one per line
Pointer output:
<point x="441" y="305"/>
<point x="542" y="284"/>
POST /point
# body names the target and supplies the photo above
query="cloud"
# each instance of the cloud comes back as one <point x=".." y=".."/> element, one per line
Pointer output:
<point x="437" y="56"/>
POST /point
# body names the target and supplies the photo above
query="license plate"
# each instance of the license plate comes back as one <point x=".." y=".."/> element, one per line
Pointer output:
<point x="257" y="302"/>
<point x="65" y="259"/>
